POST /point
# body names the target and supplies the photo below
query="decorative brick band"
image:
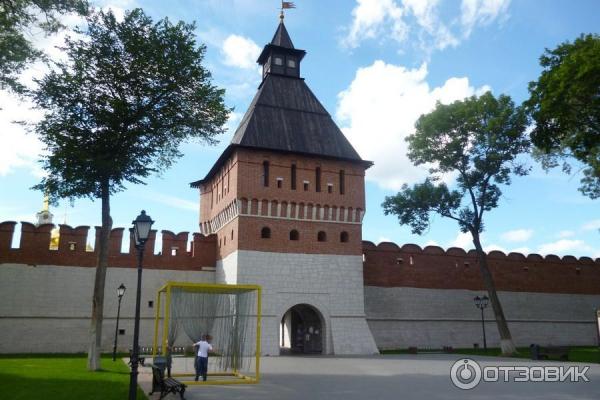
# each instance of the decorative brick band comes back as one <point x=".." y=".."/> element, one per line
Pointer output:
<point x="283" y="210"/>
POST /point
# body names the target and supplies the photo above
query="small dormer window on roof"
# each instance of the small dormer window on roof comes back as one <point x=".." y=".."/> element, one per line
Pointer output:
<point x="279" y="57"/>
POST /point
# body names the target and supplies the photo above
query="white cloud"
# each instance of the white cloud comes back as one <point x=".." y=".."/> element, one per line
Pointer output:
<point x="568" y="247"/>
<point x="426" y="15"/>
<point x="522" y="250"/>
<point x="591" y="225"/>
<point x="380" y="19"/>
<point x="379" y="109"/>
<point x="19" y="149"/>
<point x="481" y="12"/>
<point x="370" y="17"/>
<point x="517" y="235"/>
<point x="431" y="243"/>
<point x="463" y="241"/>
<point x="565" y="234"/>
<point x="240" y="52"/>
<point x="494" y="247"/>
<point x="384" y="239"/>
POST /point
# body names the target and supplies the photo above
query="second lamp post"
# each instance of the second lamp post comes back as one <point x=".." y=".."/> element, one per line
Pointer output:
<point x="141" y="231"/>
<point x="482" y="303"/>
<point x="120" y="293"/>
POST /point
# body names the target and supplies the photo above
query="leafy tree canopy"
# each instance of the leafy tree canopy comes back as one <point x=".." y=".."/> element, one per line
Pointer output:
<point x="128" y="94"/>
<point x="565" y="105"/>
<point x="478" y="140"/>
<point x="21" y="18"/>
<point x="117" y="110"/>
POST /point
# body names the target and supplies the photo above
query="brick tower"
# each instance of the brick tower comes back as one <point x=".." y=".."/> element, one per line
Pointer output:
<point x="286" y="200"/>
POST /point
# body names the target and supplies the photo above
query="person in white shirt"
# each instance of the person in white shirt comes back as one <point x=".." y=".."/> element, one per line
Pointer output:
<point x="204" y="347"/>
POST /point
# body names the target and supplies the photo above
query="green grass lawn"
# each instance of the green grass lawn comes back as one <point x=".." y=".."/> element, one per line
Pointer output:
<point x="578" y="354"/>
<point x="62" y="377"/>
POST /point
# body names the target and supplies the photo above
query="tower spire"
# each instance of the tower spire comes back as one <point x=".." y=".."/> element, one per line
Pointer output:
<point x="285" y="5"/>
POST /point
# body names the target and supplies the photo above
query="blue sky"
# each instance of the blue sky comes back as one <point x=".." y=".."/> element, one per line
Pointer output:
<point x="376" y="65"/>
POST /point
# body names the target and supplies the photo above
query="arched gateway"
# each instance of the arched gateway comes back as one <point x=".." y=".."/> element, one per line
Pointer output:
<point x="301" y="331"/>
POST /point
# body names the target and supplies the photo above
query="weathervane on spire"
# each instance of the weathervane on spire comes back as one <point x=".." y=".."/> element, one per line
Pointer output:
<point x="286" y="5"/>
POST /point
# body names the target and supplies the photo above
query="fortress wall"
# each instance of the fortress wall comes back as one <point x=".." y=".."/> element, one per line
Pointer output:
<point x="428" y="302"/>
<point x="47" y="308"/>
<point x="412" y="296"/>
<point x="34" y="248"/>
<point x="46" y="295"/>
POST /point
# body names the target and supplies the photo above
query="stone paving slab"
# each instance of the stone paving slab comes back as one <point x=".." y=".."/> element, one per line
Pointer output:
<point x="385" y="377"/>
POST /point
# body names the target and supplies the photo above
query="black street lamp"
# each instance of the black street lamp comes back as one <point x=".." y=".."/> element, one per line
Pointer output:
<point x="120" y="293"/>
<point x="141" y="231"/>
<point x="482" y="303"/>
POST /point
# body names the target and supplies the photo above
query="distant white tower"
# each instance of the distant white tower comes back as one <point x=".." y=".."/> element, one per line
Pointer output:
<point x="44" y="216"/>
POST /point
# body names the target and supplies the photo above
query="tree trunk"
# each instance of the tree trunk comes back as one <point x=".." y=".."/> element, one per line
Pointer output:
<point x="98" y="299"/>
<point x="506" y="343"/>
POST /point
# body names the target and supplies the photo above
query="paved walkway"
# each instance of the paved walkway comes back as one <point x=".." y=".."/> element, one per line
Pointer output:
<point x="385" y="377"/>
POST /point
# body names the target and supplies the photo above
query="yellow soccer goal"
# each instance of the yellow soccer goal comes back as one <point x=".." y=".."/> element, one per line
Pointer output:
<point x="230" y="314"/>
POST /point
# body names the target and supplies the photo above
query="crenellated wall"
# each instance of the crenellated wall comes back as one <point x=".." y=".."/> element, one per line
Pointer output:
<point x="424" y="297"/>
<point x="34" y="248"/>
<point x="412" y="296"/>
<point x="46" y="295"/>
<point x="390" y="265"/>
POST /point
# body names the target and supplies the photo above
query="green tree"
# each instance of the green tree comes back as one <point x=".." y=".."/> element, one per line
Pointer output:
<point x="18" y="18"/>
<point x="565" y="106"/>
<point x="479" y="140"/>
<point x="117" y="110"/>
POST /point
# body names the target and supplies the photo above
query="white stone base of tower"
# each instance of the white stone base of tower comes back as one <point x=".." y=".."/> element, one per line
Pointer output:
<point x="332" y="285"/>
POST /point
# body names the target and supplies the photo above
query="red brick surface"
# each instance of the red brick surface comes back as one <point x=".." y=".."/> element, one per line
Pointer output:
<point x="388" y="265"/>
<point x="35" y="244"/>
<point x="242" y="178"/>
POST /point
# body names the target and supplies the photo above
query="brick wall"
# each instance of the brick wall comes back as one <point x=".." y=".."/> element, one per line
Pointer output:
<point x="220" y="191"/>
<point x="35" y="243"/>
<point x="241" y="178"/>
<point x="389" y="265"/>
<point x="250" y="236"/>
<point x="251" y="170"/>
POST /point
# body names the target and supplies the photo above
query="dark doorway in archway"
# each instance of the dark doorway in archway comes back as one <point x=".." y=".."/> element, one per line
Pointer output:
<point x="301" y="331"/>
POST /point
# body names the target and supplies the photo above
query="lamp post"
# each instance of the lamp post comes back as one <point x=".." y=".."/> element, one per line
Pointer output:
<point x="482" y="303"/>
<point x="120" y="293"/>
<point x="141" y="231"/>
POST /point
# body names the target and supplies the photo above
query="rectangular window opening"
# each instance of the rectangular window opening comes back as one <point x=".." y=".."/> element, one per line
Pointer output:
<point x="342" y="181"/>
<point x="265" y="173"/>
<point x="318" y="179"/>
<point x="293" y="177"/>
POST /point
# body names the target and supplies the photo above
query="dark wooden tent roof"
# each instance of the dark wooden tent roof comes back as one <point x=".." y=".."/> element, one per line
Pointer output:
<point x="286" y="116"/>
<point x="281" y="37"/>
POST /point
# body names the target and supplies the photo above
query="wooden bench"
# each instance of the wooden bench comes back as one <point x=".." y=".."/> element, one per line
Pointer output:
<point x="165" y="385"/>
<point x="548" y="352"/>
